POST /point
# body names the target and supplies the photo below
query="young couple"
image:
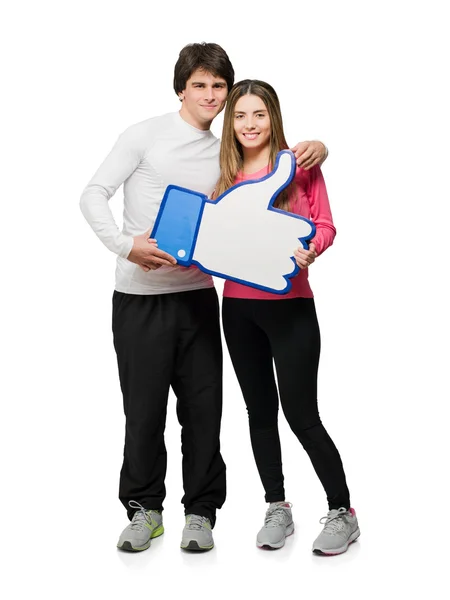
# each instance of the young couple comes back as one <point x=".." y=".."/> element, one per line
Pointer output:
<point x="166" y="318"/>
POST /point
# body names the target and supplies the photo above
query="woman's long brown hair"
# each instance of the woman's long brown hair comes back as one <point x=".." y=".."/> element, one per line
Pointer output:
<point x="231" y="154"/>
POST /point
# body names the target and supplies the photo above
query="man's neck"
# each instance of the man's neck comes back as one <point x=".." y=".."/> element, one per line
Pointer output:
<point x="186" y="116"/>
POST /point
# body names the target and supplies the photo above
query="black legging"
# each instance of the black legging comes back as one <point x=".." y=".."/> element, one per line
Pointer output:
<point x="257" y="333"/>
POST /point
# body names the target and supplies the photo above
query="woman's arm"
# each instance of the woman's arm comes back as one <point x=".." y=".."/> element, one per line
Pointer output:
<point x="320" y="211"/>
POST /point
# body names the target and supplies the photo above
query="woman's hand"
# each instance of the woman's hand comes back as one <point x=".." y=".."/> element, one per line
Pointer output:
<point x="305" y="258"/>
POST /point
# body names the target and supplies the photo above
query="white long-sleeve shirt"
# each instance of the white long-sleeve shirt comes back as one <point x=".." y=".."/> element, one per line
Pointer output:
<point x="147" y="158"/>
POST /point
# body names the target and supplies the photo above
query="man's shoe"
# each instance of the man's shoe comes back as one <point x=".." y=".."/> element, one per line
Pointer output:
<point x="145" y="525"/>
<point x="197" y="534"/>
<point x="278" y="525"/>
<point x="341" y="529"/>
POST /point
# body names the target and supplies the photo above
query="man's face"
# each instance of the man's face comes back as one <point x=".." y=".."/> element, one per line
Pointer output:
<point x="203" y="99"/>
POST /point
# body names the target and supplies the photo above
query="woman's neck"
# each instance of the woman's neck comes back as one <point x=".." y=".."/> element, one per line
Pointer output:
<point x="254" y="160"/>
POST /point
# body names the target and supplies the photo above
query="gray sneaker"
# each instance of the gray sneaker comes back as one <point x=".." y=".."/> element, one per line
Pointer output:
<point x="278" y="525"/>
<point x="197" y="534"/>
<point x="145" y="525"/>
<point x="341" y="529"/>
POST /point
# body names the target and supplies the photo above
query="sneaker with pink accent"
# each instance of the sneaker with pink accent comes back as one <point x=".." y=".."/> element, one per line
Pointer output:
<point x="278" y="525"/>
<point x="341" y="529"/>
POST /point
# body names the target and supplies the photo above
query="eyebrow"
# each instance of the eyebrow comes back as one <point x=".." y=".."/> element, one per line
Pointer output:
<point x="204" y="83"/>
<point x="242" y="112"/>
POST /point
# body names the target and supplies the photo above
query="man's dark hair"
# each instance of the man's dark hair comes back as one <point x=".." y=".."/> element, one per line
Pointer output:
<point x="207" y="57"/>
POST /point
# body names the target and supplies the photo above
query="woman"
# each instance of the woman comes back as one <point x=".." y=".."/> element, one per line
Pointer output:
<point x="261" y="328"/>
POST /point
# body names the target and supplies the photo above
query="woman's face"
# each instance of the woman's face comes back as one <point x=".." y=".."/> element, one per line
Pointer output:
<point x="251" y="122"/>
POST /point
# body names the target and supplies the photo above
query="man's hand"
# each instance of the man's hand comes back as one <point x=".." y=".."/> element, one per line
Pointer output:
<point x="305" y="258"/>
<point x="309" y="154"/>
<point x="147" y="255"/>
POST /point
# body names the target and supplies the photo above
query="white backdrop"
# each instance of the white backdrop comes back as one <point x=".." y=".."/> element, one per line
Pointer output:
<point x="367" y="78"/>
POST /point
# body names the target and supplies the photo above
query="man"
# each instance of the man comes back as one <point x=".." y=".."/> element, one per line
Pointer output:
<point x="165" y="317"/>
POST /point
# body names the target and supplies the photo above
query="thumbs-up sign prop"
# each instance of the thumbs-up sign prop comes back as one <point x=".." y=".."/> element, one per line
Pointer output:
<point x="238" y="236"/>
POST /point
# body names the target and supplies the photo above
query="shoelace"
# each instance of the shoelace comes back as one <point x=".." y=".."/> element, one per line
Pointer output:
<point x="333" y="521"/>
<point x="276" y="515"/>
<point x="140" y="517"/>
<point x="195" y="522"/>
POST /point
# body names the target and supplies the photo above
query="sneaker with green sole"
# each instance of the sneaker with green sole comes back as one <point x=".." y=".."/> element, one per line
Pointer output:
<point x="145" y="525"/>
<point x="197" y="534"/>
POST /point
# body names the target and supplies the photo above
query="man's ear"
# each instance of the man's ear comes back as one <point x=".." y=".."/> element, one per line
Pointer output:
<point x="181" y="96"/>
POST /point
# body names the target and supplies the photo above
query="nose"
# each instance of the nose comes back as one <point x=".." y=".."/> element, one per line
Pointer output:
<point x="249" y="123"/>
<point x="209" y="94"/>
